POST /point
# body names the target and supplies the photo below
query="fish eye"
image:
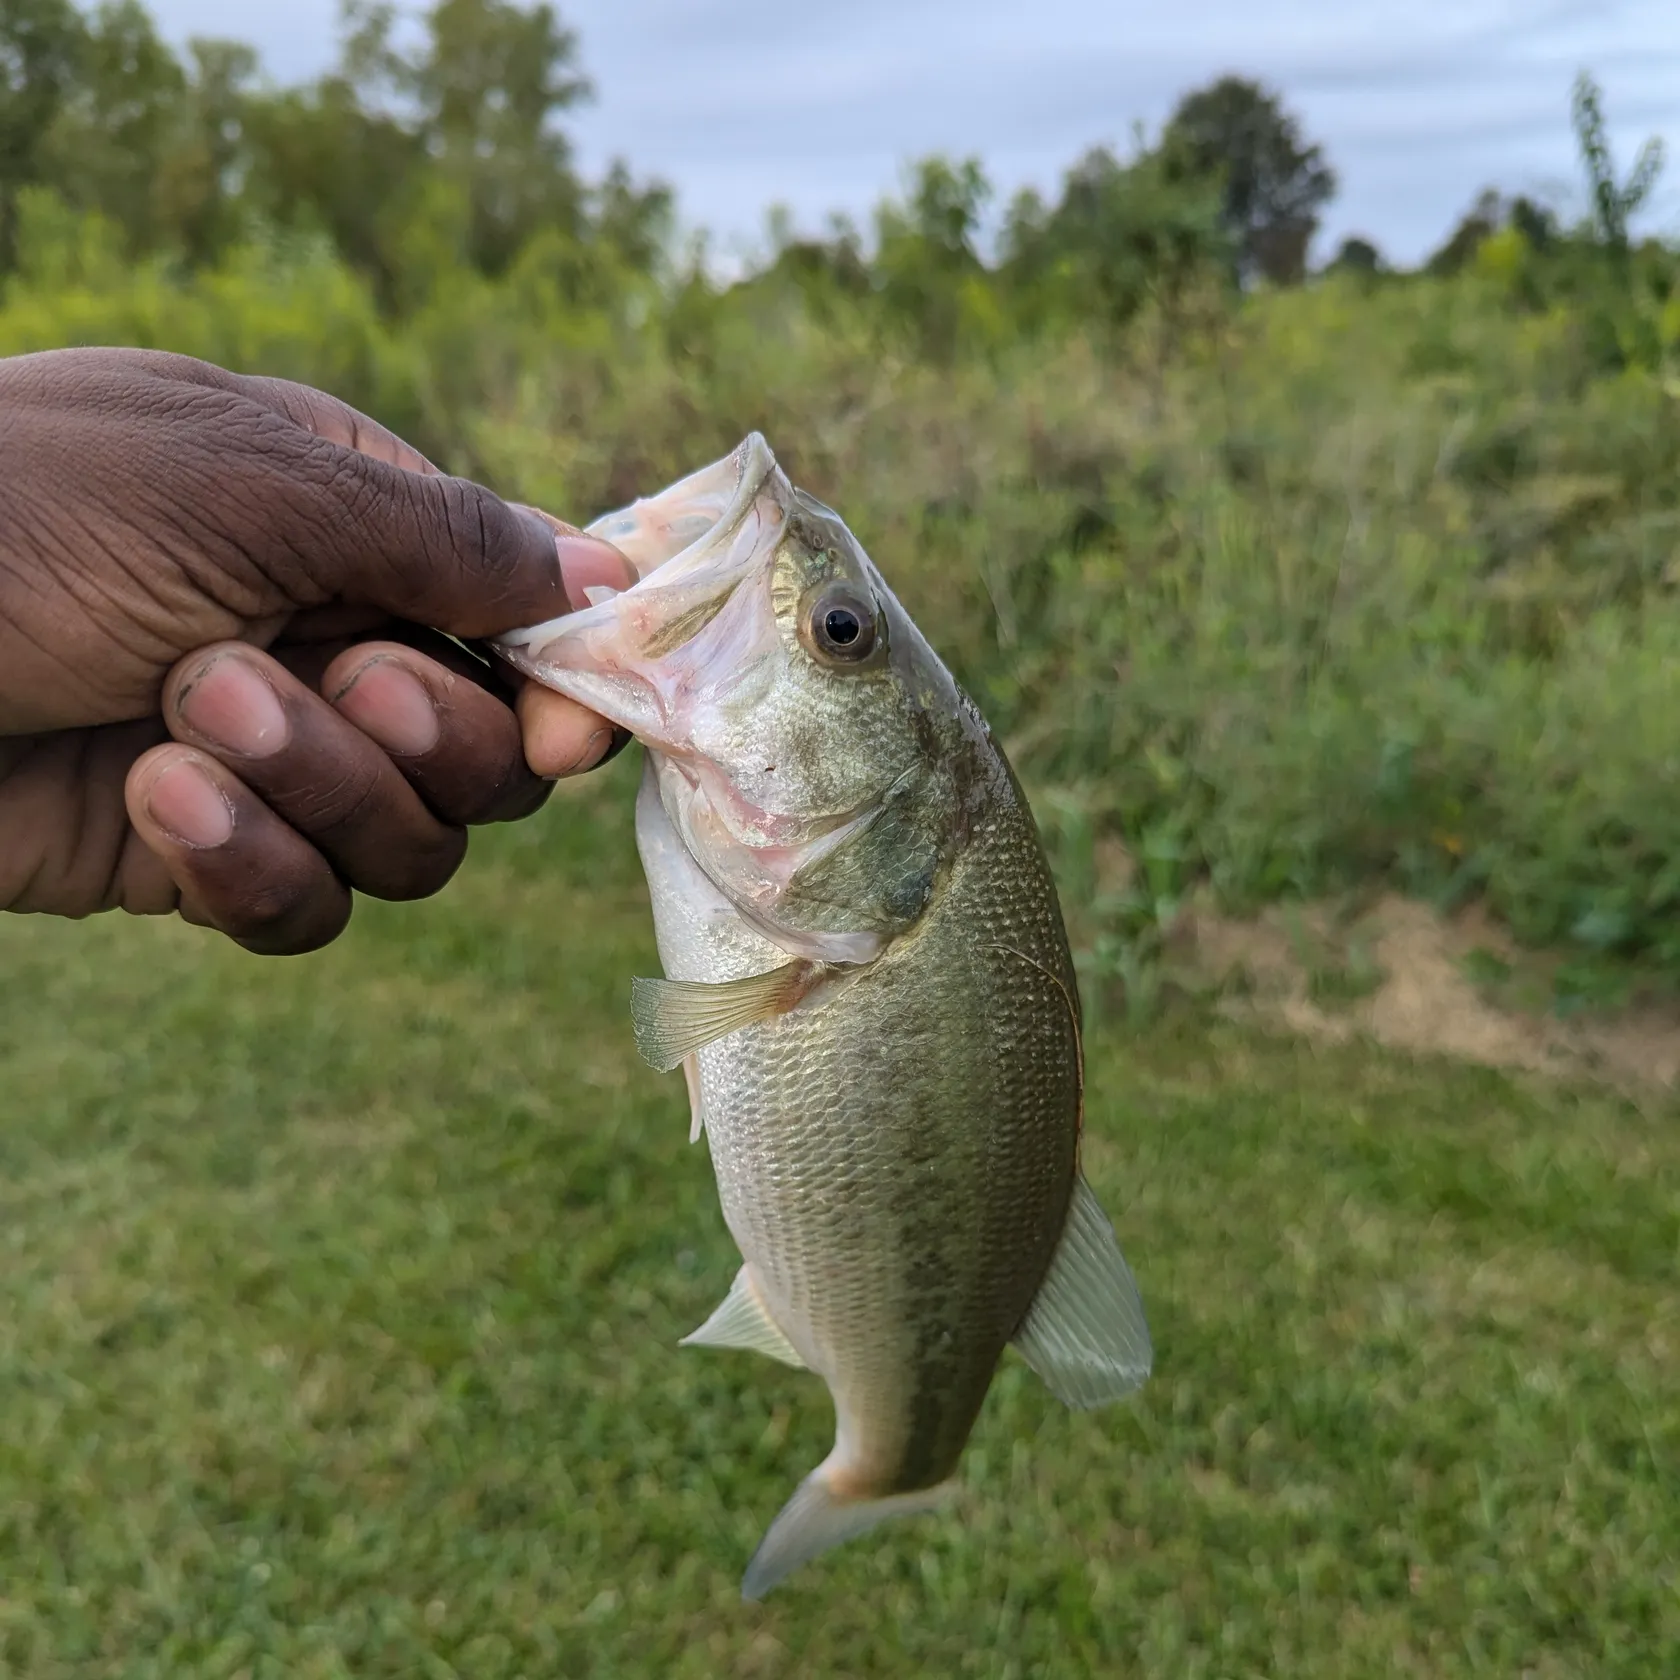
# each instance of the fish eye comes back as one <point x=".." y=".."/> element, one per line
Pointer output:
<point x="841" y="626"/>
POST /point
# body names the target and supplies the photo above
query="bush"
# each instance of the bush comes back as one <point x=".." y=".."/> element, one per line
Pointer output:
<point x="1347" y="583"/>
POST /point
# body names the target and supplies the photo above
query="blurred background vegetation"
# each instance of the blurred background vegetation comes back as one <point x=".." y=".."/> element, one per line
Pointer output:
<point x="1292" y="579"/>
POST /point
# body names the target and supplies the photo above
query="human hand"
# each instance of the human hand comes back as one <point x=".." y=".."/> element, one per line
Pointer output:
<point x="222" y="691"/>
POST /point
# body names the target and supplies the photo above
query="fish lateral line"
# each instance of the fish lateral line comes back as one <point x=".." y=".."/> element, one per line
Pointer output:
<point x="1072" y="1009"/>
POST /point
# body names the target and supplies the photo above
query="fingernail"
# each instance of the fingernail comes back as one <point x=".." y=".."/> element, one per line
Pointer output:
<point x="585" y="561"/>
<point x="189" y="807"/>
<point x="588" y="563"/>
<point x="390" y="706"/>
<point x="594" y="754"/>
<point x="230" y="704"/>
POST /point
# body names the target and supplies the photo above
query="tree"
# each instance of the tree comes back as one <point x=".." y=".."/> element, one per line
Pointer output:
<point x="635" y="222"/>
<point x="485" y="91"/>
<point x="1357" y="256"/>
<point x="41" y="47"/>
<point x="1484" y="217"/>
<point x="1613" y="205"/>
<point x="1237" y="133"/>
<point x="926" y="265"/>
<point x="205" y="177"/>
<point x="1492" y="212"/>
<point x="1120" y="234"/>
<point x="118" y="123"/>
<point x="323" y="160"/>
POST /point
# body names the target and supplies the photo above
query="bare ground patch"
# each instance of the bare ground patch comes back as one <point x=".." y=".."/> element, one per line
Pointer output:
<point x="1402" y="975"/>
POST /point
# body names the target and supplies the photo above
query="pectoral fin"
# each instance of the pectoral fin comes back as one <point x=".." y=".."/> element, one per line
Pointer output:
<point x="673" y="1018"/>
<point x="1085" y="1333"/>
<point x="741" y="1322"/>
<point x="691" y="1078"/>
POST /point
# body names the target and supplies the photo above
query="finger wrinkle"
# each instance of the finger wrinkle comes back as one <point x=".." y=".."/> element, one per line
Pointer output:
<point x="337" y="805"/>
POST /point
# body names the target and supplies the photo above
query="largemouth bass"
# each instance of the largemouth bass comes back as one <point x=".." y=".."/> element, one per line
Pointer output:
<point x="867" y="986"/>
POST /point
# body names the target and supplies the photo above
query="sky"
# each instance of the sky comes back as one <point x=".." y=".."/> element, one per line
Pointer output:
<point x="818" y="104"/>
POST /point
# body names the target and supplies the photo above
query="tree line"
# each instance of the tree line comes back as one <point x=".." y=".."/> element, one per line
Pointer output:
<point x="448" y="152"/>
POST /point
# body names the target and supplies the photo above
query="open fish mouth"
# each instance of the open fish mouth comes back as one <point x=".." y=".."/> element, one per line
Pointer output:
<point x="697" y="535"/>
<point x="693" y="547"/>
<point x="699" y="550"/>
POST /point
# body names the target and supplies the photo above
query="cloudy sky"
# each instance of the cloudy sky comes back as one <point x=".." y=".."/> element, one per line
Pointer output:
<point x="817" y="103"/>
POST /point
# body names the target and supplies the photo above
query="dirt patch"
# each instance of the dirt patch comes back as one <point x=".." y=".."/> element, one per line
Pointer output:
<point x="1403" y="975"/>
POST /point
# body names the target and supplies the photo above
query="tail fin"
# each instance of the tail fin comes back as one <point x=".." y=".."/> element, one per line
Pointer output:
<point x="817" y="1518"/>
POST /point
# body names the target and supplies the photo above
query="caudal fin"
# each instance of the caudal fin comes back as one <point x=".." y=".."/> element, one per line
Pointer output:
<point x="816" y="1519"/>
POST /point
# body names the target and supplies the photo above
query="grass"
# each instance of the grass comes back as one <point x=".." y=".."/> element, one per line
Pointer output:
<point x="339" y="1296"/>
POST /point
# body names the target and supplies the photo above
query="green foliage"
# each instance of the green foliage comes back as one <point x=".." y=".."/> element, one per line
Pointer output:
<point x="1613" y="202"/>
<point x="1368" y="578"/>
<point x="1120" y="236"/>
<point x="40" y="47"/>
<point x="927" y="271"/>
<point x="1238" y="136"/>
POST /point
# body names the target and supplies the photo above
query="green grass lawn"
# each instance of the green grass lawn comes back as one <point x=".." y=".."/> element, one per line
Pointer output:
<point x="339" y="1300"/>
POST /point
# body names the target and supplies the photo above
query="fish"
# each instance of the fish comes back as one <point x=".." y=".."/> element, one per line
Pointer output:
<point x="867" y="985"/>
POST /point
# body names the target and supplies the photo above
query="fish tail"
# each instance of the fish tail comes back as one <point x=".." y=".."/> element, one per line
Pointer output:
<point x="818" y="1517"/>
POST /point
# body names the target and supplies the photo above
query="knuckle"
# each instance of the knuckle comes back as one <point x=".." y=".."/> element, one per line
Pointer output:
<point x="347" y="800"/>
<point x="420" y="870"/>
<point x="277" y="910"/>
<point x="482" y="530"/>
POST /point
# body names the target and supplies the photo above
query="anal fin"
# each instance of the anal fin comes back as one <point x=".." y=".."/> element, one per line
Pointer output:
<point x="1085" y="1333"/>
<point x="674" y="1018"/>
<point x="742" y="1322"/>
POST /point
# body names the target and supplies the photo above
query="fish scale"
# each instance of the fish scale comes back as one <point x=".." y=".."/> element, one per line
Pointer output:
<point x="867" y="979"/>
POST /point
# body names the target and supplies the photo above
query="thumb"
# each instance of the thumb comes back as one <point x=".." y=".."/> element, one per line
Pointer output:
<point x="365" y="518"/>
<point x="448" y="553"/>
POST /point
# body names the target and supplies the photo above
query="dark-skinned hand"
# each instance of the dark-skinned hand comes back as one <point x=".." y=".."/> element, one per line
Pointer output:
<point x="222" y="690"/>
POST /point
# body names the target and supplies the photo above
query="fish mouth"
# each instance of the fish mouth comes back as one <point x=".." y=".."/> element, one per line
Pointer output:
<point x="697" y="535"/>
<point x="659" y="657"/>
<point x="694" y="547"/>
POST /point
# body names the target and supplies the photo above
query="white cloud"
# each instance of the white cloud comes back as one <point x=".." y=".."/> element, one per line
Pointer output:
<point x="816" y="103"/>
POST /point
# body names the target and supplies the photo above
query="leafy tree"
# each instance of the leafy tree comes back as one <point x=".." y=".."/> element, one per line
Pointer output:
<point x="1491" y="213"/>
<point x="484" y="89"/>
<point x="118" y="124"/>
<point x="1119" y="235"/>
<point x="635" y="222"/>
<point x="1484" y="217"/>
<point x="1357" y="256"/>
<point x="1613" y="204"/>
<point x="927" y="269"/>
<point x="1237" y="133"/>
<point x="41" y="48"/>
<point x="205" y="177"/>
